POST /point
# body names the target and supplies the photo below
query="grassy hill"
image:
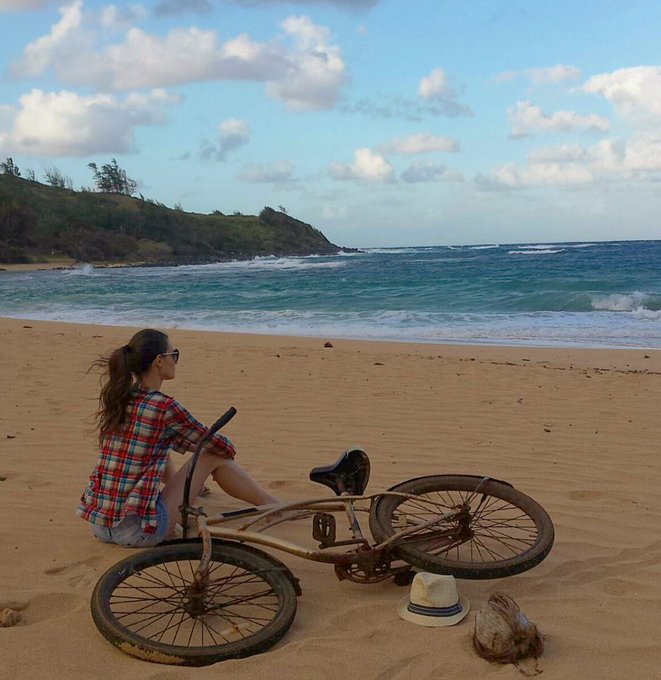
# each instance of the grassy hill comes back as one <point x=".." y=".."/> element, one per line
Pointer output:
<point x="39" y="222"/>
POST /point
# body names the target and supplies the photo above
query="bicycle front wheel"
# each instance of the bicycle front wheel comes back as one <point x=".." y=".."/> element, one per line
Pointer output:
<point x="146" y="604"/>
<point x="495" y="532"/>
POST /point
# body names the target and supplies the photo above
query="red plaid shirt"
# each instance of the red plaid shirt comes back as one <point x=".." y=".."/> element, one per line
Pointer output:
<point x="132" y="460"/>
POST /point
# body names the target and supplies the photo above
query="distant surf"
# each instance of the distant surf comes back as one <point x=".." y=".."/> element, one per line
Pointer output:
<point x="551" y="294"/>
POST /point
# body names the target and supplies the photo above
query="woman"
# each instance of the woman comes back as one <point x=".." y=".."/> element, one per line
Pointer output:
<point x="138" y="424"/>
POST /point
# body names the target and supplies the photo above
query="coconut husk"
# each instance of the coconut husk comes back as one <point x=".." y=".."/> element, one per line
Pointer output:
<point x="504" y="634"/>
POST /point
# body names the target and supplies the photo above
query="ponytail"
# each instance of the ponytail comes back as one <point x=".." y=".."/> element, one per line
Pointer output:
<point x="118" y="369"/>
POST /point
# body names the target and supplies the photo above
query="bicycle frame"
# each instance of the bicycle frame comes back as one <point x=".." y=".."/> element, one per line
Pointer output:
<point x="373" y="560"/>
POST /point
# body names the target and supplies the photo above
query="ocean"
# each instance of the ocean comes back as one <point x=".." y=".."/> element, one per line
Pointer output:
<point x="598" y="294"/>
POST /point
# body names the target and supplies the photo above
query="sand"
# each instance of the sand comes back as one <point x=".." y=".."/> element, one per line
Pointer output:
<point x="575" y="429"/>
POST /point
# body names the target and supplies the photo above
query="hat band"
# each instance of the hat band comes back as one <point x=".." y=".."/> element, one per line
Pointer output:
<point x="435" y="611"/>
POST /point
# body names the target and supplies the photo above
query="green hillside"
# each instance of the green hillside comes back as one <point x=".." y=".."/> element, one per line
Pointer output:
<point x="39" y="222"/>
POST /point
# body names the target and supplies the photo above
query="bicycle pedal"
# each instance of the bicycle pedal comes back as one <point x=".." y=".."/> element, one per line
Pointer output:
<point x="404" y="578"/>
<point x="324" y="529"/>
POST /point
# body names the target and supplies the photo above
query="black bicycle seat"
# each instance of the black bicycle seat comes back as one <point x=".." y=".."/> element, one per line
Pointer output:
<point x="349" y="474"/>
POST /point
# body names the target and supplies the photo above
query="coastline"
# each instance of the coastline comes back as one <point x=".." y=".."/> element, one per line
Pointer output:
<point x="576" y="429"/>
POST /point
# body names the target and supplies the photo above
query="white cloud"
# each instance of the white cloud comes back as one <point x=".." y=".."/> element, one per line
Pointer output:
<point x="435" y="85"/>
<point x="573" y="164"/>
<point x="436" y="88"/>
<point x="562" y="153"/>
<point x="61" y="41"/>
<point x="634" y="92"/>
<point x="305" y="76"/>
<point x="554" y="74"/>
<point x="643" y="153"/>
<point x="276" y="173"/>
<point x="368" y="166"/>
<point x="419" y="143"/>
<point x="315" y="72"/>
<point x="429" y="172"/>
<point x="67" y="124"/>
<point x="527" y="119"/>
<point x="234" y="133"/>
<point x="542" y="76"/>
<point x="555" y="174"/>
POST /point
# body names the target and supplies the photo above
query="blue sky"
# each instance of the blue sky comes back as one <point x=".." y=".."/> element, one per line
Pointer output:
<point x="381" y="122"/>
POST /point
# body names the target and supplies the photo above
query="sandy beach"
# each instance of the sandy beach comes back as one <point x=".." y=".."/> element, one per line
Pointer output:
<point x="575" y="429"/>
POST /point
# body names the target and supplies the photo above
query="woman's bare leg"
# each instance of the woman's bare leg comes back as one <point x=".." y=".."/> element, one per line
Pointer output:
<point x="229" y="476"/>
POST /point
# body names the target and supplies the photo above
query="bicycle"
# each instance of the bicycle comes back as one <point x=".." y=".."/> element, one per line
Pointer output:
<point x="197" y="601"/>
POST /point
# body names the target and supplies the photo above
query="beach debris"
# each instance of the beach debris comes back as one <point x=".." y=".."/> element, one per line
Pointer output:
<point x="3" y="478"/>
<point x="328" y="344"/>
<point x="27" y="326"/>
<point x="504" y="634"/>
<point x="9" y="617"/>
<point x="11" y="436"/>
<point x="378" y="363"/>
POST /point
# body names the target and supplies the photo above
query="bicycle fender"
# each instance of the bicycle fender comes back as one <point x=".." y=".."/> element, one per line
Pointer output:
<point x="415" y="479"/>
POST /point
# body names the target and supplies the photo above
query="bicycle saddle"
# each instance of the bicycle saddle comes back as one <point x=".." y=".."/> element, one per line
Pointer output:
<point x="349" y="474"/>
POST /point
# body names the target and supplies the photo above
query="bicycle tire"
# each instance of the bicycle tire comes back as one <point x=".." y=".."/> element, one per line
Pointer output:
<point x="499" y="507"/>
<point x="139" y="604"/>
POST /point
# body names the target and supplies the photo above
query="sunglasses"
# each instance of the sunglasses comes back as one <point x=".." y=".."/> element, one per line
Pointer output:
<point x="174" y="354"/>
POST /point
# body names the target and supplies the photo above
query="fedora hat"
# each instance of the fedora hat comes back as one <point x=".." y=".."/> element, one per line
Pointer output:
<point x="434" y="601"/>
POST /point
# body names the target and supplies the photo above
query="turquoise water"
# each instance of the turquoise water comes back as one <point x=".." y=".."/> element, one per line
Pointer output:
<point x="572" y="294"/>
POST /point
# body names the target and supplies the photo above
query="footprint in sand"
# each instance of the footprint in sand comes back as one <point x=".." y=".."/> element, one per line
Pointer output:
<point x="280" y="483"/>
<point x="47" y="606"/>
<point x="586" y="495"/>
<point x="80" y="573"/>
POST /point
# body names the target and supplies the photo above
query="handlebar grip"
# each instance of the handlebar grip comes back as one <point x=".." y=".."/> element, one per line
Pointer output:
<point x="221" y="422"/>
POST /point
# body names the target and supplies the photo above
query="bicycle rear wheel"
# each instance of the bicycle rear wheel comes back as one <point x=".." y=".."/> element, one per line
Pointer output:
<point x="145" y="605"/>
<point x="500" y="533"/>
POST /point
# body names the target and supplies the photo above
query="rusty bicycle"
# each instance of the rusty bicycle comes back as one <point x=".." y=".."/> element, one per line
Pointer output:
<point x="212" y="595"/>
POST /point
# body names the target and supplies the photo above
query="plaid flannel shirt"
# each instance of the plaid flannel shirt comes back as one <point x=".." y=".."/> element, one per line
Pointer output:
<point x="132" y="460"/>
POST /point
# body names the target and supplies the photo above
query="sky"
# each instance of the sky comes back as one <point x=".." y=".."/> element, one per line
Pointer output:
<point x="380" y="122"/>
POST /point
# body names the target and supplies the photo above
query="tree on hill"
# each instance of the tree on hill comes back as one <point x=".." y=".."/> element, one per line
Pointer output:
<point x="55" y="178"/>
<point x="7" y="167"/>
<point x="112" y="179"/>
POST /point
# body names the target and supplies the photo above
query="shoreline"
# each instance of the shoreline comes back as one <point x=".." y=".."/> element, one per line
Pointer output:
<point x="643" y="358"/>
<point x="421" y="345"/>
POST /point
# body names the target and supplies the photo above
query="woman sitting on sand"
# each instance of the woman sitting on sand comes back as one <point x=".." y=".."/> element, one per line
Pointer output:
<point x="137" y="426"/>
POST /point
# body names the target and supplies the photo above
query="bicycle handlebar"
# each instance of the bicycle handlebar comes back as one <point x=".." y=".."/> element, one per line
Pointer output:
<point x="221" y="422"/>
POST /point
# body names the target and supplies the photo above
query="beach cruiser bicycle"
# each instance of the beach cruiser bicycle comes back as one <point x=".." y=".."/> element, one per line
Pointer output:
<point x="212" y="595"/>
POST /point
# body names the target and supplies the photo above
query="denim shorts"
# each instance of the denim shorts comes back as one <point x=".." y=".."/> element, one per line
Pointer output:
<point x="128" y="533"/>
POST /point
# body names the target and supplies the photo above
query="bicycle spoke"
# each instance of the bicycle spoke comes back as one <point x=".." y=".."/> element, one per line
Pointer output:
<point x="498" y="529"/>
<point x="153" y="602"/>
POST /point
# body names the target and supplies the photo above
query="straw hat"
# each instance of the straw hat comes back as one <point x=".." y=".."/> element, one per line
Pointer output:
<point x="434" y="601"/>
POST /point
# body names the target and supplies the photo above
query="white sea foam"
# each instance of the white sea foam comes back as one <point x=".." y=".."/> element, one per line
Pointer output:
<point x="596" y="329"/>
<point x="491" y="247"/>
<point x="620" y="302"/>
<point x="536" y="251"/>
<point x="538" y="246"/>
<point x="397" y="251"/>
<point x="265" y="263"/>
<point x="82" y="270"/>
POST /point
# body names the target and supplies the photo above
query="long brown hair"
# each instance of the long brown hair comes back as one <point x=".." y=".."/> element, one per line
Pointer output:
<point x="133" y="359"/>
